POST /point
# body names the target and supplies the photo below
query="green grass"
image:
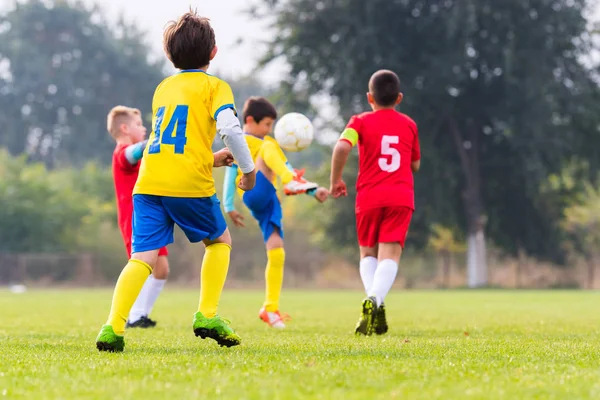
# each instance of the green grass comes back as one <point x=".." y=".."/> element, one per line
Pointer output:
<point x="441" y="345"/>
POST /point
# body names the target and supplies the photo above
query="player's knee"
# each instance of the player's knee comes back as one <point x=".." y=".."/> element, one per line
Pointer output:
<point x="225" y="238"/>
<point x="148" y="257"/>
<point x="274" y="241"/>
<point x="161" y="271"/>
<point x="390" y="251"/>
<point x="368" y="252"/>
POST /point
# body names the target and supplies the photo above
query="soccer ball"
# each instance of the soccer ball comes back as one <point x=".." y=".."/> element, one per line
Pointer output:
<point x="294" y="132"/>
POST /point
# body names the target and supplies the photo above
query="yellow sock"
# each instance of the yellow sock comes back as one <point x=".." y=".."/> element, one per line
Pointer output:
<point x="274" y="278"/>
<point x="212" y="277"/>
<point x="127" y="289"/>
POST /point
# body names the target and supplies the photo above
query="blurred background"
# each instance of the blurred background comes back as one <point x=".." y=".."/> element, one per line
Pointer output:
<point x="506" y="95"/>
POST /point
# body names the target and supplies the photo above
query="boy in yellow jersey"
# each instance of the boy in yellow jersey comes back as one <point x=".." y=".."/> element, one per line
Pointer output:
<point x="175" y="183"/>
<point x="263" y="202"/>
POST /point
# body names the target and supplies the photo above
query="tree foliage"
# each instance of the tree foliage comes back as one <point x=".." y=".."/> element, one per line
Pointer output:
<point x="62" y="68"/>
<point x="497" y="88"/>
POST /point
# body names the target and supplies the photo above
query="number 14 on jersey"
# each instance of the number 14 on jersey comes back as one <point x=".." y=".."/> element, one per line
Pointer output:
<point x="177" y="123"/>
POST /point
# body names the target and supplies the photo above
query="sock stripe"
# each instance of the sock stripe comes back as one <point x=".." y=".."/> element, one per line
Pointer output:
<point x="142" y="263"/>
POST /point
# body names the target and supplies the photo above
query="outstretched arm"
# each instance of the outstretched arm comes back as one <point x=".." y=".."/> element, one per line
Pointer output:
<point x="134" y="152"/>
<point x="338" y="162"/>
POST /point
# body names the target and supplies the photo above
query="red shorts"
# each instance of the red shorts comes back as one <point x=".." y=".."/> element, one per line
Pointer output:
<point x="383" y="225"/>
<point x="127" y="231"/>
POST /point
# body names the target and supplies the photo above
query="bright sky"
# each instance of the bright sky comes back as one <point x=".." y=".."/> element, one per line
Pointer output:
<point x="229" y="22"/>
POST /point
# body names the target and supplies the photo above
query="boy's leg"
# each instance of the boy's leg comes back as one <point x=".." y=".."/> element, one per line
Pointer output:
<point x="387" y="269"/>
<point x="213" y="275"/>
<point x="264" y="204"/>
<point x="391" y="237"/>
<point x="127" y="289"/>
<point x="201" y="220"/>
<point x="367" y="229"/>
<point x="207" y="323"/>
<point x="270" y="313"/>
<point x="392" y="234"/>
<point x="152" y="229"/>
<point x="274" y="271"/>
<point x="140" y="312"/>
<point x="368" y="265"/>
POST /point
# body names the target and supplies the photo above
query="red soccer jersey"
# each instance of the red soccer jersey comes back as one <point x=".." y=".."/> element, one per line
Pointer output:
<point x="388" y="142"/>
<point x="124" y="176"/>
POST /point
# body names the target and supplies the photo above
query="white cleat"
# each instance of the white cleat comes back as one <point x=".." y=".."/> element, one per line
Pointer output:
<point x="299" y="185"/>
<point x="273" y="319"/>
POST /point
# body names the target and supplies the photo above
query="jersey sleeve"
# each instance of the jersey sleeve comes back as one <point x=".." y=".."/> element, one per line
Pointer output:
<point x="222" y="99"/>
<point x="416" y="149"/>
<point x="351" y="133"/>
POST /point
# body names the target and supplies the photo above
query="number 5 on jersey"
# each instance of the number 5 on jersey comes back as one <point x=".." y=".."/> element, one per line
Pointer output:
<point x="177" y="123"/>
<point x="391" y="161"/>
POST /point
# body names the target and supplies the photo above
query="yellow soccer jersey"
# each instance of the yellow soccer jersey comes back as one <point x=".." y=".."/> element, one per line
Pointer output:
<point x="178" y="160"/>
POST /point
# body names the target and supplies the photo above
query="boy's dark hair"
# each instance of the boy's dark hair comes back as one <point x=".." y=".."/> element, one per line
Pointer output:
<point x="384" y="86"/>
<point x="189" y="41"/>
<point x="259" y="108"/>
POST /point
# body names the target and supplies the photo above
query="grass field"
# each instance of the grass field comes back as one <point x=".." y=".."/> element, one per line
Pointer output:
<point x="441" y="345"/>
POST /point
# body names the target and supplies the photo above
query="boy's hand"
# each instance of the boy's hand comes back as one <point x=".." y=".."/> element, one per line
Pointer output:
<point x="223" y="158"/>
<point x="338" y="189"/>
<point x="247" y="181"/>
<point x="236" y="218"/>
<point x="321" y="194"/>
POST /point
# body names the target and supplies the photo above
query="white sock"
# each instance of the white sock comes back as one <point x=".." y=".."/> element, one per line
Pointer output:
<point x="384" y="279"/>
<point x="368" y="265"/>
<point x="145" y="301"/>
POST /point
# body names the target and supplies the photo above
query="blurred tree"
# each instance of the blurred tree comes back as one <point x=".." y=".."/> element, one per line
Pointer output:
<point x="62" y="68"/>
<point x="498" y="90"/>
<point x="582" y="221"/>
<point x="444" y="242"/>
<point x="35" y="214"/>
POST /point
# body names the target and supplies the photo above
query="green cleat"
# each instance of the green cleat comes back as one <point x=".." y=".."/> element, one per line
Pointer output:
<point x="381" y="326"/>
<point x="216" y="328"/>
<point x="108" y="340"/>
<point x="366" y="321"/>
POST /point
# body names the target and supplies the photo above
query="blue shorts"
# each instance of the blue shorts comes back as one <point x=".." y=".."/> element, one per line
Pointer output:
<point x="154" y="218"/>
<point x="263" y="203"/>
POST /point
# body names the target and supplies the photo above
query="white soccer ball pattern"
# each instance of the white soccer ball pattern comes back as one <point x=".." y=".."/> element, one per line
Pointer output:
<point x="294" y="132"/>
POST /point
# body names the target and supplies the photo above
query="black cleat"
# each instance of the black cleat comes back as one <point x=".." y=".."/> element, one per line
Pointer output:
<point x="380" y="325"/>
<point x="366" y="322"/>
<point x="143" y="322"/>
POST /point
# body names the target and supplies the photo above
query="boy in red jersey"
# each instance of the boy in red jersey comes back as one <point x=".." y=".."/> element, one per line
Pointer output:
<point x="125" y="126"/>
<point x="389" y="153"/>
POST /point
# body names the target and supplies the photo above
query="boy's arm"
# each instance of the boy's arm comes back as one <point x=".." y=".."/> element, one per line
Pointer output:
<point x="416" y="153"/>
<point x="343" y="147"/>
<point x="338" y="162"/>
<point x="229" y="188"/>
<point x="228" y="127"/>
<point x="133" y="154"/>
<point x="229" y="196"/>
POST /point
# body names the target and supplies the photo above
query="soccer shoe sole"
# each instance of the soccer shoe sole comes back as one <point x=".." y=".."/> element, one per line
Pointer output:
<point x="105" y="346"/>
<point x="380" y="325"/>
<point x="204" y="333"/>
<point x="367" y="319"/>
